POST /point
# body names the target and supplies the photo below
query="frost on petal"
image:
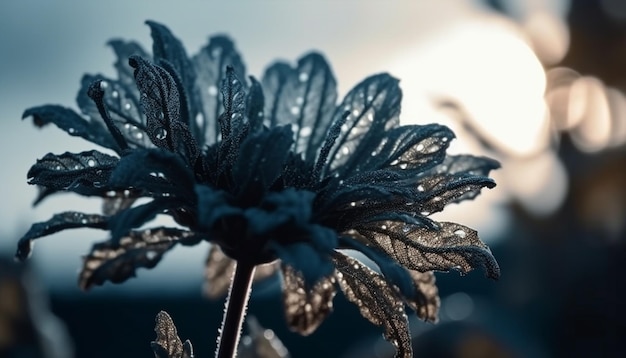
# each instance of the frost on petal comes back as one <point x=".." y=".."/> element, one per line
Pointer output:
<point x="378" y="301"/>
<point x="116" y="263"/>
<point x="306" y="308"/>
<point x="167" y="343"/>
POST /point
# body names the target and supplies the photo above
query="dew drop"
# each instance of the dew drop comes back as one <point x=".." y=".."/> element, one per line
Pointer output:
<point x="111" y="193"/>
<point x="104" y="85"/>
<point x="91" y="162"/>
<point x="420" y="147"/>
<point x="199" y="119"/>
<point x="58" y="167"/>
<point x="345" y="150"/>
<point x="295" y="110"/>
<point x="216" y="52"/>
<point x="370" y="98"/>
<point x="355" y="112"/>
<point x="234" y="82"/>
<point x="425" y="213"/>
<point x="161" y="134"/>
<point x="299" y="100"/>
<point x="370" y="117"/>
<point x="151" y="255"/>
<point x="303" y="77"/>
<point x="83" y="221"/>
<point x="403" y="166"/>
<point x="460" y="233"/>
<point x="353" y="204"/>
<point x="127" y="106"/>
<point x="115" y="94"/>
<point x="212" y="91"/>
<point x="305" y="131"/>
<point x="71" y="130"/>
<point x="356" y="266"/>
<point x="384" y="227"/>
<point x="374" y="153"/>
<point x="420" y="187"/>
<point x="445" y="139"/>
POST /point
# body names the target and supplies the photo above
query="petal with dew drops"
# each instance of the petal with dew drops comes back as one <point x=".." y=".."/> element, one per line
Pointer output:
<point x="426" y="302"/>
<point x="306" y="306"/>
<point x="449" y="247"/>
<point x="58" y="222"/>
<point x="117" y="263"/>
<point x="377" y="300"/>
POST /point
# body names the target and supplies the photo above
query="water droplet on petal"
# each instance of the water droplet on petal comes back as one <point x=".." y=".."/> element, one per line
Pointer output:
<point x="104" y="85"/>
<point x="403" y="166"/>
<point x="345" y="150"/>
<point x="115" y="94"/>
<point x="425" y="213"/>
<point x="83" y="221"/>
<point x="420" y="147"/>
<point x="299" y="100"/>
<point x="353" y="204"/>
<point x="460" y="233"/>
<point x="199" y="119"/>
<point x="91" y="162"/>
<point x="370" y="98"/>
<point x="71" y="130"/>
<point x="305" y="131"/>
<point x="420" y="187"/>
<point x="212" y="91"/>
<point x="151" y="255"/>
<point x="295" y="110"/>
<point x="303" y="76"/>
<point x="355" y="112"/>
<point x="384" y="227"/>
<point x="58" y="167"/>
<point x="127" y="106"/>
<point x="161" y="134"/>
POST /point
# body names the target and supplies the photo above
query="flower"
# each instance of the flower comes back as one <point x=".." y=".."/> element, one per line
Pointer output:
<point x="270" y="171"/>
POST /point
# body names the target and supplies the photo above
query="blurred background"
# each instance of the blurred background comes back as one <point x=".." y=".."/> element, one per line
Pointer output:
<point x="537" y="84"/>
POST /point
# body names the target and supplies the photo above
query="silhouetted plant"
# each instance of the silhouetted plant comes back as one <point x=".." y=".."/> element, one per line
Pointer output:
<point x="270" y="170"/>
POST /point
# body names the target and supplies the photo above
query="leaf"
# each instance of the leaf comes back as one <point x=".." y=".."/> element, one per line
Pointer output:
<point x="306" y="307"/>
<point x="303" y="97"/>
<point x="373" y="107"/>
<point x="426" y="302"/>
<point x="219" y="269"/>
<point x="69" y="121"/>
<point x="108" y="261"/>
<point x="58" y="222"/>
<point x="155" y="171"/>
<point x="450" y="247"/>
<point x="210" y="65"/>
<point x="85" y="173"/>
<point x="161" y="103"/>
<point x="377" y="301"/>
<point x="167" y="344"/>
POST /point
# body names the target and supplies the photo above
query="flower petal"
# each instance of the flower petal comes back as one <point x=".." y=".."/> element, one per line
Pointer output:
<point x="378" y="302"/>
<point x="155" y="172"/>
<point x="75" y="125"/>
<point x="161" y="103"/>
<point x="426" y="303"/>
<point x="121" y="101"/>
<point x="306" y="307"/>
<point x="85" y="173"/>
<point x="58" y="222"/>
<point x="123" y="50"/>
<point x="167" y="344"/>
<point x="450" y="247"/>
<point x="108" y="261"/>
<point x="373" y="107"/>
<point x="210" y="65"/>
<point x="303" y="97"/>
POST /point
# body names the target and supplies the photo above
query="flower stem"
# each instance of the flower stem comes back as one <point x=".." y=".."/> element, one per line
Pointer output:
<point x="236" y="305"/>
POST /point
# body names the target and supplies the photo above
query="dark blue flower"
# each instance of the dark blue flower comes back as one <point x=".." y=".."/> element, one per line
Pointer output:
<point x="274" y="171"/>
